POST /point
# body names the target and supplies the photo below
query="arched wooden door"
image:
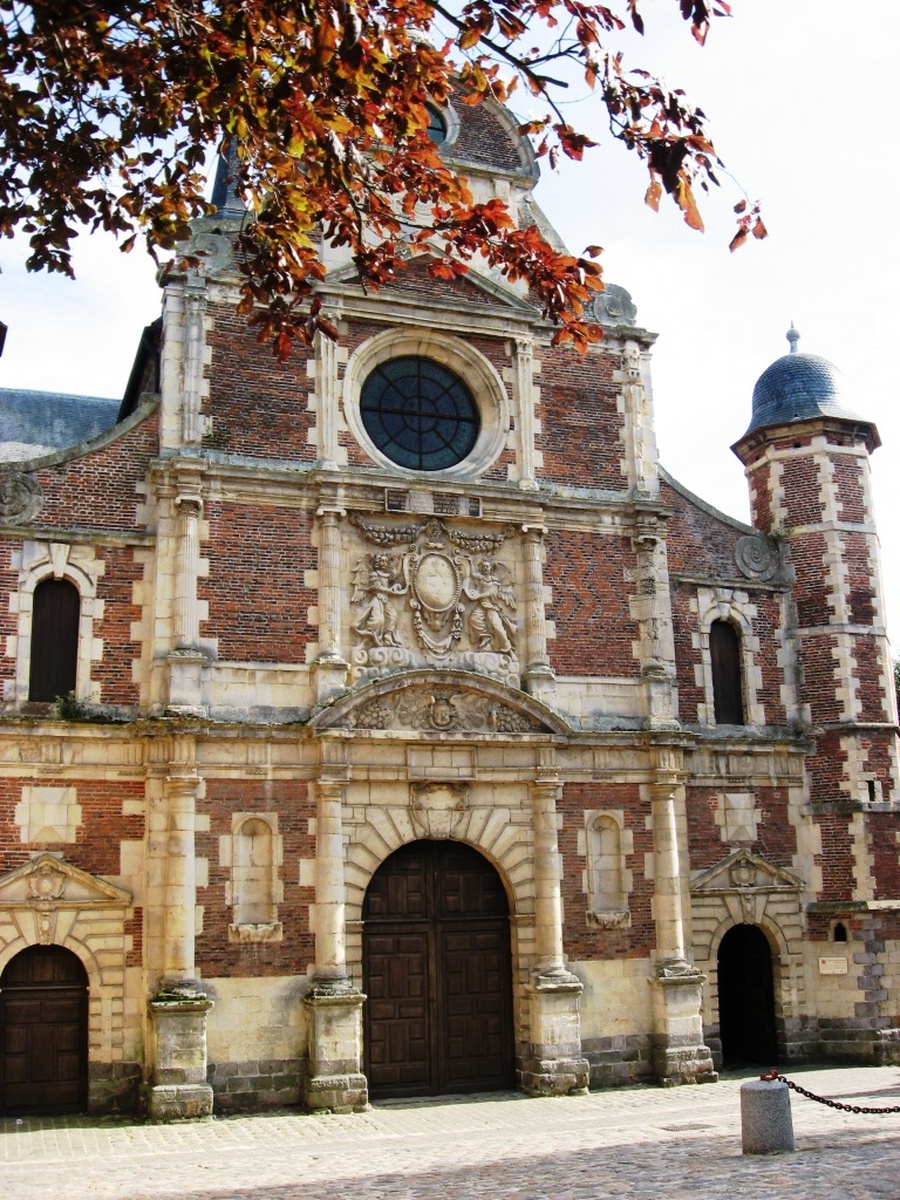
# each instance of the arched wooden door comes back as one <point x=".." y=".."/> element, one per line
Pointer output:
<point x="437" y="974"/>
<point x="43" y="1033"/>
<point x="746" y="997"/>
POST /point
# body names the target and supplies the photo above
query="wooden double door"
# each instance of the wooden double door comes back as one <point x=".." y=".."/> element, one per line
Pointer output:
<point x="43" y="1033"/>
<point x="437" y="974"/>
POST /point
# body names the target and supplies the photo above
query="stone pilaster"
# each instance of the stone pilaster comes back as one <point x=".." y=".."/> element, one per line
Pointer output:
<point x="335" y="1082"/>
<point x="652" y="608"/>
<point x="330" y="666"/>
<point x="186" y="659"/>
<point x="193" y="360"/>
<point x="524" y="398"/>
<point x="554" y="1064"/>
<point x="178" y="1089"/>
<point x="537" y="678"/>
<point x="327" y="387"/>
<point x="679" y="1055"/>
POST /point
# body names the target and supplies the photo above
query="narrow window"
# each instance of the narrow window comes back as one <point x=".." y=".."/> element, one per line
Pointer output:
<point x="840" y="932"/>
<point x="54" y="639"/>
<point x="725" y="656"/>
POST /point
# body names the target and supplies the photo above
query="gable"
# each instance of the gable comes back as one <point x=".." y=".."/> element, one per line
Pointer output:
<point x="50" y="880"/>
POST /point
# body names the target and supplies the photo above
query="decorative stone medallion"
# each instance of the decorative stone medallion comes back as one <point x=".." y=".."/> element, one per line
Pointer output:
<point x="20" y="497"/>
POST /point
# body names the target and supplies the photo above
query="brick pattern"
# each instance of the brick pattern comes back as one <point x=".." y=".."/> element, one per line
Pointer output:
<point x="776" y="836"/>
<point x="590" y="577"/>
<point x="580" y="438"/>
<point x="258" y="602"/>
<point x="216" y="956"/>
<point x="114" y="670"/>
<point x="100" y="489"/>
<point x="257" y="406"/>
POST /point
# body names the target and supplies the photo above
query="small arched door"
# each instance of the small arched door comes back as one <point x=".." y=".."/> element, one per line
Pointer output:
<point x="437" y="974"/>
<point x="43" y="1033"/>
<point x="746" y="997"/>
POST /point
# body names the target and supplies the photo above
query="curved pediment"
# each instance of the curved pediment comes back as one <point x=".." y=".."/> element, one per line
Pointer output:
<point x="442" y="702"/>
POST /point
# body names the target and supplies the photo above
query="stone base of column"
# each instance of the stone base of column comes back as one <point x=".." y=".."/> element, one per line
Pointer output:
<point x="177" y="1101"/>
<point x="538" y="680"/>
<point x="555" y="1065"/>
<point x="185" y="683"/>
<point x="178" y="1090"/>
<point x="678" y="1052"/>
<point x="336" y="1082"/>
<point x="329" y="676"/>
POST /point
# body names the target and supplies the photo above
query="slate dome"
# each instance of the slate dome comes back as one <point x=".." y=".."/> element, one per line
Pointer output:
<point x="798" y="387"/>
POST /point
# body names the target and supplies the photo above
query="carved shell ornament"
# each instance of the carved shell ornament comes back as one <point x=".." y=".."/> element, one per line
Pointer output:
<point x="756" y="557"/>
<point x="20" y="496"/>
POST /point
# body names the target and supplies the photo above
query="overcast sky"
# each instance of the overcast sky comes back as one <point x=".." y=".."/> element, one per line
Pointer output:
<point x="801" y="97"/>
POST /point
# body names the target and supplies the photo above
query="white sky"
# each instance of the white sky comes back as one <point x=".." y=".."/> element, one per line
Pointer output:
<point x="801" y="100"/>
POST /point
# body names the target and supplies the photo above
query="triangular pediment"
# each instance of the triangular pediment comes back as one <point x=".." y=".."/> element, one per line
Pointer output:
<point x="742" y="872"/>
<point x="51" y="880"/>
<point x="471" y="288"/>
<point x="442" y="702"/>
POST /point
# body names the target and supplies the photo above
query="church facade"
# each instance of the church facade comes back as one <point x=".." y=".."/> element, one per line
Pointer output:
<point x="388" y="722"/>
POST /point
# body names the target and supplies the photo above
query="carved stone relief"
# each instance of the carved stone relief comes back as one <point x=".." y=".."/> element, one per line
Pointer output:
<point x="436" y="808"/>
<point x="757" y="557"/>
<point x="441" y="711"/>
<point x="431" y="595"/>
<point x="20" y="497"/>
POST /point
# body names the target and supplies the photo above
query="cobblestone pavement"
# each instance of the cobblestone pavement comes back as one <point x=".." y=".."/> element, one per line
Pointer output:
<point x="664" y="1144"/>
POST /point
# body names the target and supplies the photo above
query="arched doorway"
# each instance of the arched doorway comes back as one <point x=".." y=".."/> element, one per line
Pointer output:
<point x="746" y="997"/>
<point x="43" y="1033"/>
<point x="436" y="970"/>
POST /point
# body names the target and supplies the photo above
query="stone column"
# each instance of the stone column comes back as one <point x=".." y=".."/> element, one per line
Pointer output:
<point x="679" y="1055"/>
<point x="538" y="678"/>
<point x="335" y="1082"/>
<point x="186" y="659"/>
<point x="178" y="1088"/>
<point x="554" y="1064"/>
<point x="652" y="608"/>
<point x="330" y="666"/>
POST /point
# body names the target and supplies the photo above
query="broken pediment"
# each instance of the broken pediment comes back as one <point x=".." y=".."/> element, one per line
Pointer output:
<point x="445" y="702"/>
<point x="48" y="880"/>
<point x="743" y="872"/>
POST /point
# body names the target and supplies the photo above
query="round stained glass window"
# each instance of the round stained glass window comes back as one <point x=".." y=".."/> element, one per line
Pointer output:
<point x="419" y="414"/>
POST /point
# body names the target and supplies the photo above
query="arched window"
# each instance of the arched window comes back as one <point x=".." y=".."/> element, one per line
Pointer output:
<point x="54" y="639"/>
<point x="725" y="658"/>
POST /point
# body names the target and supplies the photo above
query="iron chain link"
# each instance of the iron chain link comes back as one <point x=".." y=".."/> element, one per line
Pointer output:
<point x="853" y="1108"/>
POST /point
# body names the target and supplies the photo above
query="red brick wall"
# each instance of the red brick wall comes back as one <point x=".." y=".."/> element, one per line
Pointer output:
<point x="115" y="587"/>
<point x="258" y="601"/>
<point x="582" y="941"/>
<point x="9" y="621"/>
<point x="98" y="489"/>
<point x="581" y="426"/>
<point x="594" y="628"/>
<point x="96" y="848"/>
<point x="837" y="860"/>
<point x="802" y="491"/>
<point x="259" y="407"/>
<point x="776" y="837"/>
<point x="216" y="956"/>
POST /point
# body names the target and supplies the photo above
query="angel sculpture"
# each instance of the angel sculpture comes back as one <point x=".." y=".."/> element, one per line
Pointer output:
<point x="491" y="626"/>
<point x="374" y="583"/>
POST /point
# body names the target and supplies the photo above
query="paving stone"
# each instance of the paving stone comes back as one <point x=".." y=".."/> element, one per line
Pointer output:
<point x="669" y="1144"/>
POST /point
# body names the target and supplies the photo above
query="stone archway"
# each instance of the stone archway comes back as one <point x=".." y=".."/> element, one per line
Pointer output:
<point x="43" y="1033"/>
<point x="437" y="974"/>
<point x="746" y="997"/>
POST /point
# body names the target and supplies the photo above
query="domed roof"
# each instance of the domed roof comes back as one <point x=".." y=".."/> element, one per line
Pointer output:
<point x="798" y="387"/>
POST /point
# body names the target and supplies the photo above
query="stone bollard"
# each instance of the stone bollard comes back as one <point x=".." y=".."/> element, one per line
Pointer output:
<point x="766" y="1126"/>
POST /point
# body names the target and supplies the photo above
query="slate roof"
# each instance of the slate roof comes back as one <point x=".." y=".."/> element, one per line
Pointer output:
<point x="35" y="423"/>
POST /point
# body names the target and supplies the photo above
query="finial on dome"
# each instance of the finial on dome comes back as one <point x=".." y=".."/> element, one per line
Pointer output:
<point x="793" y="337"/>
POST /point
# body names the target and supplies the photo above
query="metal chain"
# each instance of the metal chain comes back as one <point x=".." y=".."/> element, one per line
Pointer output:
<point x="854" y="1108"/>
